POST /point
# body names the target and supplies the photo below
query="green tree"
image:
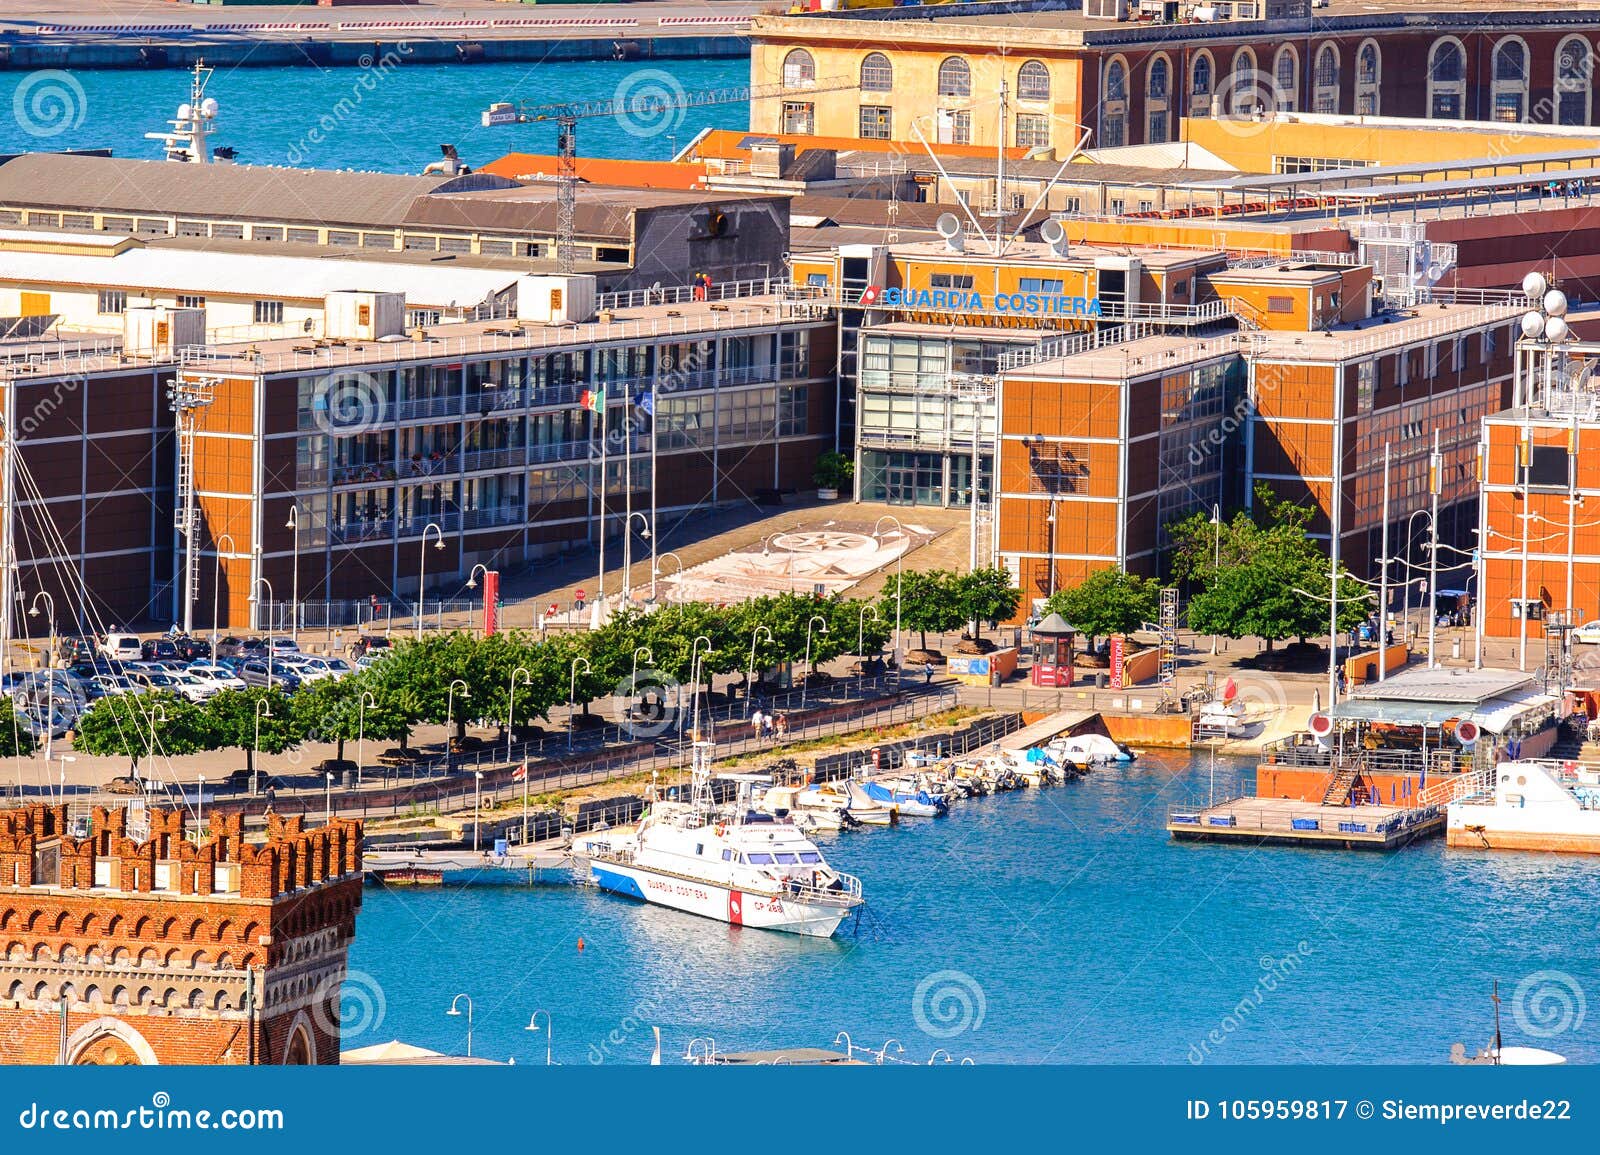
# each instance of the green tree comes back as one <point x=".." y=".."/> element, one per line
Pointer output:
<point x="136" y="725"/>
<point x="1276" y="593"/>
<point x="928" y="601"/>
<point x="15" y="737"/>
<point x="330" y="710"/>
<point x="1107" y="602"/>
<point x="985" y="595"/>
<point x="234" y="715"/>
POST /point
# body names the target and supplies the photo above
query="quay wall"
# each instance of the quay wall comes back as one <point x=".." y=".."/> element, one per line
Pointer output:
<point x="29" y="53"/>
<point x="1168" y="730"/>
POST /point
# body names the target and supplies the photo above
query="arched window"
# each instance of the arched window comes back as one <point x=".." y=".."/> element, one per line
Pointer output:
<point x="1369" y="72"/>
<point x="1574" y="73"/>
<point x="1242" y="89"/>
<point x="955" y="77"/>
<point x="1510" y="97"/>
<point x="877" y="74"/>
<point x="1286" y="80"/>
<point x="1201" y="73"/>
<point x="799" y="70"/>
<point x="1033" y="81"/>
<point x="1156" y="83"/>
<point x="1114" y="108"/>
<point x="1325" y="99"/>
<point x="1447" y="85"/>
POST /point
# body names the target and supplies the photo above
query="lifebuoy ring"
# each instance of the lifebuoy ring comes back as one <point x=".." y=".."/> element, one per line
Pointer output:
<point x="721" y="830"/>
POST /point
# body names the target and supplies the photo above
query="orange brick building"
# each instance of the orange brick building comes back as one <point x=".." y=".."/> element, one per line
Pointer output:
<point x="1540" y="505"/>
<point x="123" y="940"/>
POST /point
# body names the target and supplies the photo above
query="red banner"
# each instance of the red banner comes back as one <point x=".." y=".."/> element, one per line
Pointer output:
<point x="491" y="601"/>
<point x="1118" y="645"/>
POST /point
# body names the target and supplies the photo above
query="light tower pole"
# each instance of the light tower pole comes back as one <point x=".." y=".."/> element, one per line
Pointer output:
<point x="186" y="397"/>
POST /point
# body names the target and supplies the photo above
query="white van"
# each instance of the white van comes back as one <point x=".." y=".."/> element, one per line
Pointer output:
<point x="121" y="647"/>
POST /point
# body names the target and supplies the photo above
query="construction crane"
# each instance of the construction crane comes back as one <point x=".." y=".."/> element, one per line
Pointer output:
<point x="642" y="106"/>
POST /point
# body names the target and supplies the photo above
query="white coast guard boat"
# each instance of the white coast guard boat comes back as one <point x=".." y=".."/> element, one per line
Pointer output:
<point x="735" y="864"/>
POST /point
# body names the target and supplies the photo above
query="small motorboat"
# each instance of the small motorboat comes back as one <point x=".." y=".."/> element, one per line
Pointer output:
<point x="1085" y="750"/>
<point x="910" y="804"/>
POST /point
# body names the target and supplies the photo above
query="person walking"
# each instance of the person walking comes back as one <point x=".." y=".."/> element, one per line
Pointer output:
<point x="783" y="727"/>
<point x="927" y="673"/>
<point x="756" y="719"/>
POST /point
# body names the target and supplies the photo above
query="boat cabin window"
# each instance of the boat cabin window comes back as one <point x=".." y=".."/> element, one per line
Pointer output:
<point x="789" y="859"/>
<point x="810" y="857"/>
<point x="699" y="847"/>
<point x="759" y="859"/>
<point x="727" y="856"/>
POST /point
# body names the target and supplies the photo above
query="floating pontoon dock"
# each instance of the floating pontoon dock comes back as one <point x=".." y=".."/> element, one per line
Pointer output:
<point x="1289" y="821"/>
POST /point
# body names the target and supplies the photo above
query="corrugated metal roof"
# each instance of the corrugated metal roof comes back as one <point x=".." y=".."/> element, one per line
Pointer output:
<point x="249" y="192"/>
<point x="1446" y="686"/>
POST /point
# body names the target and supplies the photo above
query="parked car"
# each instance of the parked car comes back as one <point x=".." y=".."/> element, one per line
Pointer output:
<point x="215" y="674"/>
<point x="107" y="684"/>
<point x="191" y="649"/>
<point x="122" y="647"/>
<point x="367" y="644"/>
<point x="1589" y="632"/>
<point x="279" y="644"/>
<point x="73" y="651"/>
<point x="158" y="649"/>
<point x="240" y="780"/>
<point x="314" y="669"/>
<point x="256" y="673"/>
<point x="231" y="647"/>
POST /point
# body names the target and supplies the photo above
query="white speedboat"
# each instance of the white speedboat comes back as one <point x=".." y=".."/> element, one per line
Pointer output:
<point x="1087" y="750"/>
<point x="1221" y="718"/>
<point x="736" y="865"/>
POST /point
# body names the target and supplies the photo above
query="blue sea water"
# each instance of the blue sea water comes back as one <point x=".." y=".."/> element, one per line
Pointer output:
<point x="388" y="118"/>
<point x="1059" y="925"/>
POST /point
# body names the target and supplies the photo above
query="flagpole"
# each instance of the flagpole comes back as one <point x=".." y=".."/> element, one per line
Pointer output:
<point x="627" y="498"/>
<point x="524" y="803"/>
<point x="654" y="536"/>
<point x="600" y="584"/>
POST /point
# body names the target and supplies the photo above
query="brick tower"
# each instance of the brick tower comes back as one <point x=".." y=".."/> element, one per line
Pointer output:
<point x="123" y="940"/>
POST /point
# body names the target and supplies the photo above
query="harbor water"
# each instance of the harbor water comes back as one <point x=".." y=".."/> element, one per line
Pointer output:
<point x="389" y="117"/>
<point x="1055" y="925"/>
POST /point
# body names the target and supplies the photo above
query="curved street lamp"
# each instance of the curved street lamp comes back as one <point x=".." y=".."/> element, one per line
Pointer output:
<point x="572" y="695"/>
<point x="216" y="588"/>
<point x="549" y="1031"/>
<point x="263" y="710"/>
<point x="422" y="567"/>
<point x="750" y="670"/>
<point x="655" y="569"/>
<point x="455" y="1011"/>
<point x="361" y="731"/>
<point x="806" y="685"/>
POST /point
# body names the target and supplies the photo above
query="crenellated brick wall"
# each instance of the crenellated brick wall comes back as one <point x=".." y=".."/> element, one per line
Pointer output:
<point x="170" y="949"/>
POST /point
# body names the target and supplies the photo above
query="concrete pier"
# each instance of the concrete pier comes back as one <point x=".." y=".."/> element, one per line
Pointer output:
<point x="38" y="34"/>
<point x="1288" y="821"/>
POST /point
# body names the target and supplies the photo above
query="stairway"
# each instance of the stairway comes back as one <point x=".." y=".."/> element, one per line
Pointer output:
<point x="1340" y="789"/>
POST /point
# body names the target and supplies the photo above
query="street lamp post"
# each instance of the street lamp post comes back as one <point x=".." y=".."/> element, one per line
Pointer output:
<point x="806" y="685"/>
<point x="294" y="595"/>
<point x="263" y="710"/>
<point x="477" y="807"/>
<point x="861" y="627"/>
<point x="472" y="584"/>
<point x="456" y="1012"/>
<point x="327" y="798"/>
<point x="899" y="575"/>
<point x="572" y="695"/>
<point x="361" y="731"/>
<point x="627" y="551"/>
<point x="1216" y="552"/>
<point x="511" y="708"/>
<point x="50" y="683"/>
<point x="655" y="570"/>
<point x="697" y="659"/>
<point x="216" y="589"/>
<point x="549" y="1031"/>
<point x="750" y="670"/>
<point x="267" y="629"/>
<point x="450" y="709"/>
<point x="633" y="678"/>
<point x="422" y="567"/>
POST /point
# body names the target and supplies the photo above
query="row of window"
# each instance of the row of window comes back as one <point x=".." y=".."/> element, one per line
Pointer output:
<point x="955" y="75"/>
<point x="114" y="302"/>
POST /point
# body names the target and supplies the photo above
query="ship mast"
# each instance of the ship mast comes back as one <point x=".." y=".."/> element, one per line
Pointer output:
<point x="188" y="141"/>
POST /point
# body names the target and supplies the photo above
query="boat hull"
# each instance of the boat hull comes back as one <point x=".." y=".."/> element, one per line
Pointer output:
<point x="709" y="900"/>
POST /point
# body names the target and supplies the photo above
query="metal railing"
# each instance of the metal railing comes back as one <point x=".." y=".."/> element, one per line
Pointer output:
<point x="1444" y="762"/>
<point x="677" y="294"/>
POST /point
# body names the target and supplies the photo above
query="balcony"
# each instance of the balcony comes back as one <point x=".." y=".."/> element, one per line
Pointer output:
<point x="434" y="464"/>
<point x="418" y="525"/>
<point x="363" y="473"/>
<point x="362" y="529"/>
<point x="561" y="451"/>
<point x="498" y="515"/>
<point x="419" y="408"/>
<point x="492" y="400"/>
<point x="476" y="460"/>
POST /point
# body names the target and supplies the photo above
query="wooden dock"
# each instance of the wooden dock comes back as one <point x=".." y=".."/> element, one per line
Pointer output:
<point x="1042" y="731"/>
<point x="520" y="866"/>
<point x="1291" y="822"/>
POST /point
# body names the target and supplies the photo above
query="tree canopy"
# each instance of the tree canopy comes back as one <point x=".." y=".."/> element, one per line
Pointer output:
<point x="1108" y="602"/>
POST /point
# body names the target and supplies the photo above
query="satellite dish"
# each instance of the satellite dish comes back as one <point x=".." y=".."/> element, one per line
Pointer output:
<point x="185" y="111"/>
<point x="1534" y="285"/>
<point x="1556" y="329"/>
<point x="1555" y="303"/>
<point x="1532" y="325"/>
<point x="209" y="107"/>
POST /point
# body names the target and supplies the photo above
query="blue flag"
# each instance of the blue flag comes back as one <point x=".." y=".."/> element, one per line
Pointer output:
<point x="647" y="402"/>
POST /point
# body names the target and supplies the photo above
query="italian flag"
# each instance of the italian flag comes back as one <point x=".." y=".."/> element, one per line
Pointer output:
<point x="594" y="400"/>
